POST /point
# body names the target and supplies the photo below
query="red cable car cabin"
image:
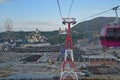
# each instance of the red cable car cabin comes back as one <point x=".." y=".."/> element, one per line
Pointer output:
<point x="110" y="36"/>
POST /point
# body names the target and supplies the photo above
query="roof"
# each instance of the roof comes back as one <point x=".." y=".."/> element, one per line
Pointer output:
<point x="98" y="56"/>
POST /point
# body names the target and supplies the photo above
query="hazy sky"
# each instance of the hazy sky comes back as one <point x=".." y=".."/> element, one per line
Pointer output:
<point x="44" y="14"/>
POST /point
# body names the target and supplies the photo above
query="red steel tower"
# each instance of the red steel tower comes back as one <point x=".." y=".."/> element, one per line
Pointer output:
<point x="68" y="71"/>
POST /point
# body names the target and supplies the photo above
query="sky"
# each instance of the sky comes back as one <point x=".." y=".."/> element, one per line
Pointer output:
<point x="27" y="15"/>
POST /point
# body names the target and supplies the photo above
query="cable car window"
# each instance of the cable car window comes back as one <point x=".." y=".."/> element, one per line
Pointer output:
<point x="113" y="34"/>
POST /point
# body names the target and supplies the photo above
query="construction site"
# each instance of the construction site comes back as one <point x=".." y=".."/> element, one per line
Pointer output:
<point x="45" y="66"/>
<point x="86" y="60"/>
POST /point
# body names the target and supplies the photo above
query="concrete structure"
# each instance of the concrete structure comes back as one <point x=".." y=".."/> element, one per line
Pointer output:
<point x="62" y="31"/>
<point x="98" y="59"/>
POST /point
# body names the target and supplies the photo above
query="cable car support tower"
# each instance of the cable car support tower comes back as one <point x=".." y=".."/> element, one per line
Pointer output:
<point x="68" y="71"/>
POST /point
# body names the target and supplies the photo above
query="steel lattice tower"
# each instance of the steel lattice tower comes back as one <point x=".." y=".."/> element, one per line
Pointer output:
<point x="68" y="71"/>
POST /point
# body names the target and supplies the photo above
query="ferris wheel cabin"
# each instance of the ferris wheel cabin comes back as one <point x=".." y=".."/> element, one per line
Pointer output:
<point x="110" y="36"/>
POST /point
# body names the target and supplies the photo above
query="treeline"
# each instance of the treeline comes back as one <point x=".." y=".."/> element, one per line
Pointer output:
<point x="52" y="36"/>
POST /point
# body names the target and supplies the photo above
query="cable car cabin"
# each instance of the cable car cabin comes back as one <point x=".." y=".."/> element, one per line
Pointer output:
<point x="110" y="36"/>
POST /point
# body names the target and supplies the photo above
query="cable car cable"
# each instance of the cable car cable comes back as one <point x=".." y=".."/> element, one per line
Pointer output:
<point x="101" y="13"/>
<point x="59" y="8"/>
<point x="95" y="15"/>
<point x="115" y="8"/>
<point x="70" y="8"/>
<point x="68" y="11"/>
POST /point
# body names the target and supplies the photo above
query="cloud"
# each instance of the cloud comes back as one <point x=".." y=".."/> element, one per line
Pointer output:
<point x="3" y="0"/>
<point x="31" y="25"/>
<point x="30" y="22"/>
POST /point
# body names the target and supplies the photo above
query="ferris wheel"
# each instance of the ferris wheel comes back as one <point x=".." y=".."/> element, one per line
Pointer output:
<point x="8" y="25"/>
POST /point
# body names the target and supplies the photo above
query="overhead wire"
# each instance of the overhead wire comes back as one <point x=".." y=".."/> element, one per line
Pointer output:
<point x="95" y="15"/>
<point x="70" y="8"/>
<point x="83" y="18"/>
<point x="59" y="8"/>
<point x="99" y="13"/>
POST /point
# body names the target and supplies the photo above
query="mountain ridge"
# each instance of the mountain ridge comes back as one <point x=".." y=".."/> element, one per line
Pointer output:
<point x="79" y="31"/>
<point x="94" y="24"/>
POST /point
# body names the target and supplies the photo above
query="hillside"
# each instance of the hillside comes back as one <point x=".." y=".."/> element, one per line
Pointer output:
<point x="93" y="25"/>
<point x="77" y="31"/>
